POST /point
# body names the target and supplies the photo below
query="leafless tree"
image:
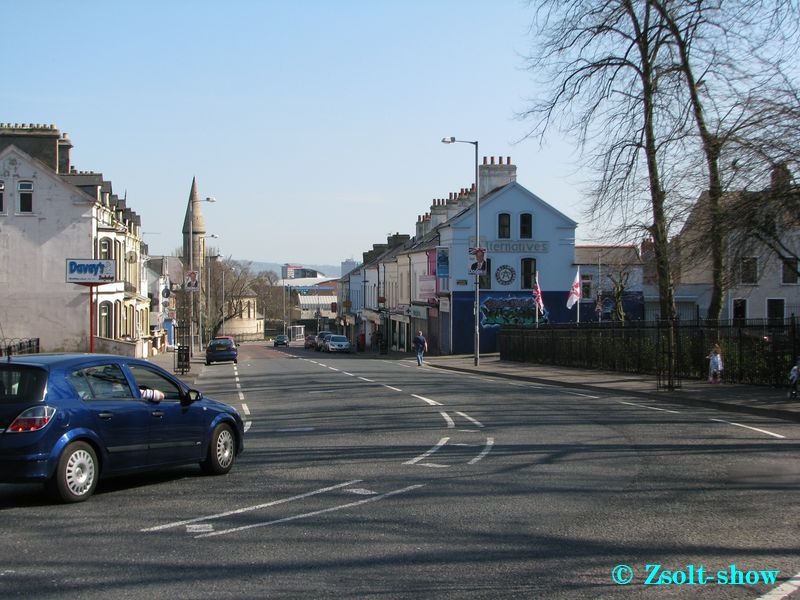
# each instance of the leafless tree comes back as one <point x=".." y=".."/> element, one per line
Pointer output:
<point x="610" y="80"/>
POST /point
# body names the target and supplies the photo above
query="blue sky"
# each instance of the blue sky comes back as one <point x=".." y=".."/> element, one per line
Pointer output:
<point x="315" y="124"/>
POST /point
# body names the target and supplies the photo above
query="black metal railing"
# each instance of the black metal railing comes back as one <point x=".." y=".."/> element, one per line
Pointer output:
<point x="754" y="351"/>
<point x="10" y="347"/>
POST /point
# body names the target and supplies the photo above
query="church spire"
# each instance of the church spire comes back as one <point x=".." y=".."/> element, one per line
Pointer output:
<point x="194" y="226"/>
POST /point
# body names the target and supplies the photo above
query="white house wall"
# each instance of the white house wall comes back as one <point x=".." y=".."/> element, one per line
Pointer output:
<point x="35" y="300"/>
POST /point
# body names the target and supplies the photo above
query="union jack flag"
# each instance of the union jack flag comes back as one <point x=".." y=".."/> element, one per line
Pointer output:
<point x="537" y="295"/>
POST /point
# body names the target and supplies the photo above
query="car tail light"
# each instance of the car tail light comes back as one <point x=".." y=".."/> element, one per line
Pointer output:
<point x="32" y="419"/>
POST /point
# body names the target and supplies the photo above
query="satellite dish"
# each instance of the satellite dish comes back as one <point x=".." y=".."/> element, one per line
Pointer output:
<point x="165" y="293"/>
<point x="131" y="257"/>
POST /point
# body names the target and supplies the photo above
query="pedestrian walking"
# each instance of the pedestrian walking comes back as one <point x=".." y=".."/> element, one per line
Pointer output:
<point x="715" y="365"/>
<point x="421" y="346"/>
<point x="794" y="375"/>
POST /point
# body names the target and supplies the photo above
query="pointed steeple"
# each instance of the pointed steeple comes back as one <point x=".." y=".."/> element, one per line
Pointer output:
<point x="194" y="226"/>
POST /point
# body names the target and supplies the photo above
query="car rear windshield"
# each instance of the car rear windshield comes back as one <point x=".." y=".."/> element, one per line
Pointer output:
<point x="218" y="344"/>
<point x="21" y="384"/>
<point x="338" y="338"/>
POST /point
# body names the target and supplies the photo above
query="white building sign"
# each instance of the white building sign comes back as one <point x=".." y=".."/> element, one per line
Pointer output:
<point x="91" y="271"/>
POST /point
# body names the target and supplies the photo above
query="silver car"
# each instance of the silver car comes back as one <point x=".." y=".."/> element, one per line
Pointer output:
<point x="337" y="343"/>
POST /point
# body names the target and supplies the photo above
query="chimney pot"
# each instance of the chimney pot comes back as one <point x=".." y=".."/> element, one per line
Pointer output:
<point x="500" y="160"/>
<point x="492" y="159"/>
<point x="484" y="160"/>
<point x="508" y="160"/>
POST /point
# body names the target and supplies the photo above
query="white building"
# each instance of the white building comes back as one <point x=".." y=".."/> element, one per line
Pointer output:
<point x="50" y="213"/>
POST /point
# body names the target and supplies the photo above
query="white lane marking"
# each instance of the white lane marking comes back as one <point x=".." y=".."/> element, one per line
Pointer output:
<point x="294" y="430"/>
<point x="438" y="445"/>
<point x="239" y="511"/>
<point x="313" y="513"/>
<point x="361" y="492"/>
<point x="578" y="394"/>
<point x="200" y="528"/>
<point x="346" y="373"/>
<point x="674" y="412"/>
<point x="247" y="426"/>
<point x="486" y="449"/>
<point x="367" y="380"/>
<point x="433" y="465"/>
<point x="392" y="388"/>
<point x="470" y="419"/>
<point x="448" y="419"/>
<point x="783" y="591"/>
<point x="245" y="409"/>
<point x="428" y="400"/>
<point x="241" y="396"/>
<point x="777" y="435"/>
<point x="333" y="369"/>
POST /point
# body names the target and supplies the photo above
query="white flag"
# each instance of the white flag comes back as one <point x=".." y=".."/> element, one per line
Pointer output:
<point x="575" y="290"/>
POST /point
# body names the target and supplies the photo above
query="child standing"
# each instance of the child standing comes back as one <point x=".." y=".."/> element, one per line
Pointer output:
<point x="715" y="365"/>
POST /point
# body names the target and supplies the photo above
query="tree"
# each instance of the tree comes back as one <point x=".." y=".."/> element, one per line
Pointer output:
<point x="609" y="80"/>
<point x="230" y="283"/>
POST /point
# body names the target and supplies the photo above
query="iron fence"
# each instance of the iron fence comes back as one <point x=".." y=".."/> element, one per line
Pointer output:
<point x="9" y="347"/>
<point x="754" y="351"/>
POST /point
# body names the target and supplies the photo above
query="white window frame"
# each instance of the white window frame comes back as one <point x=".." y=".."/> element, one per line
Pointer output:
<point x="26" y="191"/>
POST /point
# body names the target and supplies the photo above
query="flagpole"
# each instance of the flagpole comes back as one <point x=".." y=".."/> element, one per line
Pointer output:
<point x="578" y="301"/>
<point x="536" y="303"/>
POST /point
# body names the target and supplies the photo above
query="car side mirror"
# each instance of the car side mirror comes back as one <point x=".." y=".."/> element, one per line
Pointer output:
<point x="191" y="395"/>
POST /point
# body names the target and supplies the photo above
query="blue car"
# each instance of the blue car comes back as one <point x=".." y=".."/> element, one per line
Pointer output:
<point x="68" y="419"/>
<point x="222" y="349"/>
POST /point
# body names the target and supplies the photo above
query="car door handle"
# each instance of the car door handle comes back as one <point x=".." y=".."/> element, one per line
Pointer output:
<point x="105" y="415"/>
<point x="157" y="413"/>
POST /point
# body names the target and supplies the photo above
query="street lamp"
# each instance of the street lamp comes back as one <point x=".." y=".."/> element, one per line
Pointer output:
<point x="191" y="267"/>
<point x="452" y="140"/>
<point x="208" y="303"/>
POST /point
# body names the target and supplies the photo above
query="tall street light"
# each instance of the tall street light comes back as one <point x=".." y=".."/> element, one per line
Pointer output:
<point x="191" y="267"/>
<point x="452" y="140"/>
<point x="208" y="269"/>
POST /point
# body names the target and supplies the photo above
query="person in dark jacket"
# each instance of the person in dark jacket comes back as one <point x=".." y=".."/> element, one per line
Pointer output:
<point x="421" y="346"/>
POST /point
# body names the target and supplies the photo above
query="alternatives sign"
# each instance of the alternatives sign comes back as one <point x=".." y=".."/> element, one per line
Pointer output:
<point x="91" y="271"/>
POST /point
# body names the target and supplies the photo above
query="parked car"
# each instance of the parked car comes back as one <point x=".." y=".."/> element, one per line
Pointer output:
<point x="321" y="339"/>
<point x="337" y="343"/>
<point x="69" y="419"/>
<point x="221" y="350"/>
<point x="311" y="342"/>
<point x="281" y="340"/>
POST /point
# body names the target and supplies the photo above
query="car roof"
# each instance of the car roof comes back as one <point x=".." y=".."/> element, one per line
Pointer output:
<point x="64" y="359"/>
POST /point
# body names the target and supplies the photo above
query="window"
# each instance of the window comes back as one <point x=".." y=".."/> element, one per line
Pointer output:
<point x="739" y="311"/>
<point x="25" y="189"/>
<point x="2" y="194"/>
<point x="105" y="249"/>
<point x="528" y="273"/>
<point x="526" y="226"/>
<point x="775" y="311"/>
<point x="104" y="322"/>
<point x="504" y="226"/>
<point x="586" y="285"/>
<point x="485" y="280"/>
<point x="149" y="379"/>
<point x="749" y="270"/>
<point x="790" y="266"/>
<point x="102" y="382"/>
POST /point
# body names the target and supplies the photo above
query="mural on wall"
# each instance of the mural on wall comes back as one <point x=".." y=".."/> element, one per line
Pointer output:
<point x="497" y="311"/>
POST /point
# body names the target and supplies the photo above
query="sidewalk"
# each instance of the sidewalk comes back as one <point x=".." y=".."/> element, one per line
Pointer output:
<point x="751" y="399"/>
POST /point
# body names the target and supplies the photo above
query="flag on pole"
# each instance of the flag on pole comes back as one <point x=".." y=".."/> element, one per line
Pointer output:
<point x="537" y="295"/>
<point x="575" y="290"/>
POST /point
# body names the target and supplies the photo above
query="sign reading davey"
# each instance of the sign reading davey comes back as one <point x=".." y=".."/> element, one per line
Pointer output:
<point x="91" y="271"/>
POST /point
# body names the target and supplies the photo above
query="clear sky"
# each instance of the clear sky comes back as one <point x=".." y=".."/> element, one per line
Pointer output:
<point x="315" y="124"/>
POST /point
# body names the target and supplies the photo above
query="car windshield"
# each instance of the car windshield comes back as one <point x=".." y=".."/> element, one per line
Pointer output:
<point x="219" y="344"/>
<point x="337" y="338"/>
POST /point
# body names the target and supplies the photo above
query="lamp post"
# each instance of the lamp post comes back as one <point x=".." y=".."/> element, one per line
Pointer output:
<point x="208" y="269"/>
<point x="452" y="140"/>
<point x="191" y="267"/>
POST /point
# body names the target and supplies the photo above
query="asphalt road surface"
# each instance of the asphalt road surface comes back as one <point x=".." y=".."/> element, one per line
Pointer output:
<point x="373" y="478"/>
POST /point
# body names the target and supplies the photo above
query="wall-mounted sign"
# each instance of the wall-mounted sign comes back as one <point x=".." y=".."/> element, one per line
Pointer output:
<point x="505" y="275"/>
<point x="442" y="261"/>
<point x="98" y="272"/>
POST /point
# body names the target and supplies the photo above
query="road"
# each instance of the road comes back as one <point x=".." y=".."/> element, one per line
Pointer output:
<point x="372" y="478"/>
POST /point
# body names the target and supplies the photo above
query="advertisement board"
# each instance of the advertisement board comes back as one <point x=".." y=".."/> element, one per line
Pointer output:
<point x="91" y="271"/>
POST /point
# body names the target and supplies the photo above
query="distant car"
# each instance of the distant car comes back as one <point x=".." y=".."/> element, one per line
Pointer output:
<point x="69" y="419"/>
<point x="337" y="343"/>
<point x="321" y="339"/>
<point x="311" y="342"/>
<point x="221" y="350"/>
<point x="281" y="340"/>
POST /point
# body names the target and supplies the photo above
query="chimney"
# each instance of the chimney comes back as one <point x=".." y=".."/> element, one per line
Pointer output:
<point x="493" y="176"/>
<point x="64" y="147"/>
